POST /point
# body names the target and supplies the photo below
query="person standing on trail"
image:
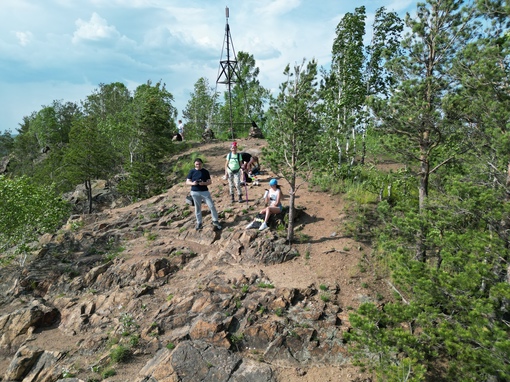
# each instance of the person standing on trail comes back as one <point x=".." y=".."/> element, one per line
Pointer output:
<point x="199" y="178"/>
<point x="233" y="172"/>
<point x="180" y="128"/>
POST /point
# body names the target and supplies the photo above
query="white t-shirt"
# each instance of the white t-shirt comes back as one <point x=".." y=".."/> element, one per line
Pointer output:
<point x="273" y="197"/>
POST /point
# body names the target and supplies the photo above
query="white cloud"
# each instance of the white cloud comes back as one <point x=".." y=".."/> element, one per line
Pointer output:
<point x="96" y="29"/>
<point x="24" y="38"/>
<point x="63" y="49"/>
<point x="277" y="8"/>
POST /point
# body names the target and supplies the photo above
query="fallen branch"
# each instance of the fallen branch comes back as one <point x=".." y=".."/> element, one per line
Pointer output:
<point x="396" y="290"/>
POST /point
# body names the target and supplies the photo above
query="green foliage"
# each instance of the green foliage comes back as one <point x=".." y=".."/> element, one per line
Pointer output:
<point x="147" y="128"/>
<point x="387" y="351"/>
<point x="455" y="298"/>
<point x="119" y="353"/>
<point x="343" y="91"/>
<point x="151" y="236"/>
<point x="113" y="253"/>
<point x="88" y="155"/>
<point x="37" y="150"/>
<point x="134" y="340"/>
<point x="186" y="163"/>
<point x="236" y="338"/>
<point x="6" y="143"/>
<point x="200" y="109"/>
<point x="246" y="102"/>
<point x="128" y="323"/>
<point x="108" y="373"/>
<point x="438" y="223"/>
<point x="28" y="210"/>
<point x="292" y="129"/>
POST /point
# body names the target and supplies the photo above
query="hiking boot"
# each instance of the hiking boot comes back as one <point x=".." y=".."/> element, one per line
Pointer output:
<point x="240" y="199"/>
<point x="263" y="226"/>
<point x="216" y="224"/>
<point x="198" y="227"/>
<point x="233" y="200"/>
<point x="249" y="225"/>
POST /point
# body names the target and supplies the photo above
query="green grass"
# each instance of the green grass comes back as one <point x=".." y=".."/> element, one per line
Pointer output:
<point x="108" y="373"/>
<point x="119" y="353"/>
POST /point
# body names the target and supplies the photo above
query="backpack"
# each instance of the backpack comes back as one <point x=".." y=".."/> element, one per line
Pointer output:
<point x="238" y="161"/>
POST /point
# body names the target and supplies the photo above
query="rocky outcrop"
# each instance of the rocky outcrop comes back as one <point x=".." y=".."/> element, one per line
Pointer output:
<point x="255" y="131"/>
<point x="143" y="281"/>
<point x="208" y="135"/>
<point x="17" y="326"/>
<point x="194" y="361"/>
<point x="34" y="365"/>
<point x="4" y="164"/>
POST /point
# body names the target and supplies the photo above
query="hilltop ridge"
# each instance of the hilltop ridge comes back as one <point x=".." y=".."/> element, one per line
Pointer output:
<point x="141" y="278"/>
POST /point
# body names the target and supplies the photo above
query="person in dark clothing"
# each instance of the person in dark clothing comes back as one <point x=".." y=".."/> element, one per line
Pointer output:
<point x="199" y="178"/>
<point x="250" y="166"/>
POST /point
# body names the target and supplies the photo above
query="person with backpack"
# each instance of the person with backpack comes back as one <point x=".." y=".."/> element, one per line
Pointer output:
<point x="250" y="166"/>
<point x="273" y="205"/>
<point x="233" y="172"/>
<point x="199" y="178"/>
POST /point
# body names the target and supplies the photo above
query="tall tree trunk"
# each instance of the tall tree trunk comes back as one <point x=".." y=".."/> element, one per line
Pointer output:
<point x="508" y="182"/>
<point x="292" y="198"/>
<point x="88" y="188"/>
<point x="423" y="191"/>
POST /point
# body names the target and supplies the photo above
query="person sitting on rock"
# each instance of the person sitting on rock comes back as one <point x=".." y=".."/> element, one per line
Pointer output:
<point x="273" y="204"/>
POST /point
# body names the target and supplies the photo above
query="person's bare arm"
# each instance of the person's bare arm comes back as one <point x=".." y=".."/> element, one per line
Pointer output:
<point x="278" y="196"/>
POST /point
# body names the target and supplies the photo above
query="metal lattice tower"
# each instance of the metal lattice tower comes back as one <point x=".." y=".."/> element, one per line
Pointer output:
<point x="228" y="72"/>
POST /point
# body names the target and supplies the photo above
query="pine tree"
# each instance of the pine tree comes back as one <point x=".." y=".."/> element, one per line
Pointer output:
<point x="292" y="130"/>
<point x="200" y="110"/>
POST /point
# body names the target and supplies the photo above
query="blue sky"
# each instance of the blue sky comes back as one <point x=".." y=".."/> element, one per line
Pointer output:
<point x="63" y="49"/>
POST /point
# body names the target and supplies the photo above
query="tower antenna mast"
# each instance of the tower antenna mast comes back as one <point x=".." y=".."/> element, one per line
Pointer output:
<point x="228" y="68"/>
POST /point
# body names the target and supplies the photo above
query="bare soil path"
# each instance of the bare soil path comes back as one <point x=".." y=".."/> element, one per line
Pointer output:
<point x="327" y="255"/>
